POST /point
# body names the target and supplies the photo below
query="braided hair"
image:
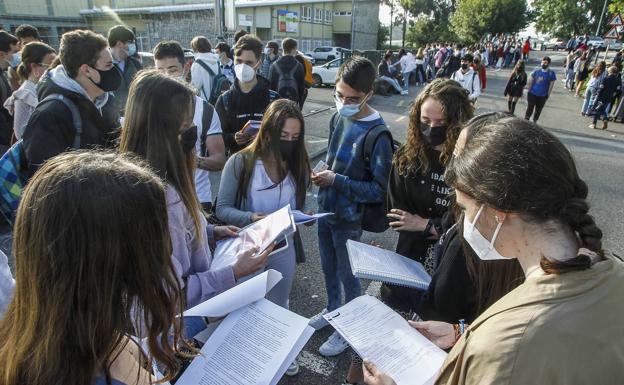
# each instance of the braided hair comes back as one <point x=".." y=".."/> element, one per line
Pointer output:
<point x="516" y="166"/>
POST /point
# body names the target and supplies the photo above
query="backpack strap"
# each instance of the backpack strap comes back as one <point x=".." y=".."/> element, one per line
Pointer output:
<point x="333" y="122"/>
<point x="76" y="118"/>
<point x="206" y="67"/>
<point x="206" y="123"/>
<point x="474" y="73"/>
<point x="373" y="134"/>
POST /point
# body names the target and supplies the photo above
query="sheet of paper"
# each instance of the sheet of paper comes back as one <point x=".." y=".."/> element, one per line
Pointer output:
<point x="237" y="297"/>
<point x="382" y="336"/>
<point x="301" y="218"/>
<point x="258" y="234"/>
<point x="252" y="346"/>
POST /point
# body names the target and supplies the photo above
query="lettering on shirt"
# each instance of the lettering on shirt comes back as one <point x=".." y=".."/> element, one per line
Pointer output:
<point x="440" y="190"/>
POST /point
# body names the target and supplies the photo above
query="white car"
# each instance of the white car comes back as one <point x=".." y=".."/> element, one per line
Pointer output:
<point x="325" y="74"/>
<point x="595" y="41"/>
<point x="326" y="53"/>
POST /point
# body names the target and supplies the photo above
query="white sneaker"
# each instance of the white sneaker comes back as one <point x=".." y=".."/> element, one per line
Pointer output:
<point x="334" y="345"/>
<point x="293" y="369"/>
<point x="404" y="93"/>
<point x="318" y="322"/>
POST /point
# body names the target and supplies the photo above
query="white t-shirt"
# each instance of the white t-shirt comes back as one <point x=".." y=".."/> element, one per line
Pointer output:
<point x="202" y="177"/>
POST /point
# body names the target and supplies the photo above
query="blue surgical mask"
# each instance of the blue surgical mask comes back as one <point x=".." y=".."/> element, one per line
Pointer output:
<point x="132" y="49"/>
<point x="17" y="58"/>
<point x="348" y="110"/>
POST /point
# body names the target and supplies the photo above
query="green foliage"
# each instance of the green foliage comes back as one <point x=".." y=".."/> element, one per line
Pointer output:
<point x="383" y="36"/>
<point x="428" y="30"/>
<point x="562" y="18"/>
<point x="474" y="18"/>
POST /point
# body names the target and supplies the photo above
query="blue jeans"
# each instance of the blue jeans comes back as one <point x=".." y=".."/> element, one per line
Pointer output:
<point x="589" y="94"/>
<point x="406" y="78"/>
<point x="393" y="82"/>
<point x="335" y="263"/>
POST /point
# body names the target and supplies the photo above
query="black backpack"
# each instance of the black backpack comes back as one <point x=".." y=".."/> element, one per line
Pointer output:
<point x="287" y="85"/>
<point x="374" y="217"/>
<point x="220" y="83"/>
<point x="206" y="122"/>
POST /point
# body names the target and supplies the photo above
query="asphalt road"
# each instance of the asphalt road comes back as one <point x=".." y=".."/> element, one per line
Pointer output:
<point x="599" y="156"/>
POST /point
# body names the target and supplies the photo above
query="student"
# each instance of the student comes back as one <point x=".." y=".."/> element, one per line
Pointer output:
<point x="271" y="54"/>
<point x="36" y="58"/>
<point x="418" y="197"/>
<point x="25" y="33"/>
<point x="581" y="70"/>
<point x="597" y="76"/>
<point x="8" y="48"/>
<point x="540" y="86"/>
<point x="225" y="61"/>
<point x="85" y="275"/>
<point x="515" y="86"/>
<point x="570" y="300"/>
<point x="167" y="138"/>
<point x="205" y="67"/>
<point x="408" y="65"/>
<point x="248" y="97"/>
<point x="345" y="189"/>
<point x="479" y="68"/>
<point x="286" y="75"/>
<point x="122" y="43"/>
<point x="84" y="75"/>
<point x="607" y="91"/>
<point x="210" y="149"/>
<point x="270" y="173"/>
<point x="468" y="78"/>
<point x="385" y="73"/>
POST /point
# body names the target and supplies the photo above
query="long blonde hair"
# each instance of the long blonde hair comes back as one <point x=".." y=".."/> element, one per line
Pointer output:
<point x="412" y="156"/>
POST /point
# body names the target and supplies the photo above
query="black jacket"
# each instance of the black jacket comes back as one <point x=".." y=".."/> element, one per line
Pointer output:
<point x="235" y="108"/>
<point x="451" y="65"/>
<point x="50" y="130"/>
<point x="286" y="63"/>
<point x="131" y="68"/>
<point x="6" y="120"/>
<point x="610" y="87"/>
<point x="383" y="70"/>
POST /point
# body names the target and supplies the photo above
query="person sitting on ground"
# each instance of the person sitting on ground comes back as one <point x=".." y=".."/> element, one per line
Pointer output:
<point x="89" y="275"/>
<point x="385" y="73"/>
<point x="247" y="99"/>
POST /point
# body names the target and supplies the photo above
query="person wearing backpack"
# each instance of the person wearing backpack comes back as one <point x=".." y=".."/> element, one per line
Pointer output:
<point x="209" y="146"/>
<point x="248" y="97"/>
<point x="72" y="96"/>
<point x="359" y="157"/>
<point x="308" y="80"/>
<point x="286" y="75"/>
<point x="205" y="70"/>
<point x="468" y="78"/>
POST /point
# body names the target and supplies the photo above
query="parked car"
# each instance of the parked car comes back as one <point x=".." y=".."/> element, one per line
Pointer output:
<point x="595" y="41"/>
<point x="326" y="74"/>
<point x="554" y="44"/>
<point x="308" y="57"/>
<point x="326" y="54"/>
<point x="615" y="46"/>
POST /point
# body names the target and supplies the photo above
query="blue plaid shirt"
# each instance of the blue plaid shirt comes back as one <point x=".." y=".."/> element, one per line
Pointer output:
<point x="346" y="158"/>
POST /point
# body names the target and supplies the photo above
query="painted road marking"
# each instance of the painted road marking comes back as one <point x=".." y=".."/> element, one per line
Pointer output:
<point x="400" y="118"/>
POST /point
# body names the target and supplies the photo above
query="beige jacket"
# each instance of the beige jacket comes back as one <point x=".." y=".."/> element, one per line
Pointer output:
<point x="552" y="330"/>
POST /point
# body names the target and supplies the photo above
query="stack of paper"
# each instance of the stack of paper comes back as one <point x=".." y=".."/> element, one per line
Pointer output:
<point x="261" y="234"/>
<point x="374" y="263"/>
<point x="379" y="334"/>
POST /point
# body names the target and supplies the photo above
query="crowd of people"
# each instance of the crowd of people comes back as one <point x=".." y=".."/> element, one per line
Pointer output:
<point x="116" y="240"/>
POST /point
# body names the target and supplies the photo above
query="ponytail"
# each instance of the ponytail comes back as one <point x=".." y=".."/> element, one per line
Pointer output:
<point x="23" y="72"/>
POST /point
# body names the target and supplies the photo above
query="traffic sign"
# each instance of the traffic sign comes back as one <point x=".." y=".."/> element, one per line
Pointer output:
<point x="612" y="34"/>
<point x="616" y="21"/>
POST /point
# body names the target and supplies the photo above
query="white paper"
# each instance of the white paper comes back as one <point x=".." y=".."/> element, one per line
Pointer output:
<point x="379" y="334"/>
<point x="252" y="346"/>
<point x="258" y="234"/>
<point x="320" y="166"/>
<point x="371" y="262"/>
<point x="301" y="218"/>
<point x="237" y="297"/>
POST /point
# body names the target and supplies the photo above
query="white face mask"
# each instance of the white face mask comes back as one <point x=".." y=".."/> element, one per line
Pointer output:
<point x="244" y="73"/>
<point x="481" y="246"/>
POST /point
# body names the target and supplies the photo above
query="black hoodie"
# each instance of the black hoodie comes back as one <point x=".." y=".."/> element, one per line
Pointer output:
<point x="50" y="130"/>
<point x="235" y="108"/>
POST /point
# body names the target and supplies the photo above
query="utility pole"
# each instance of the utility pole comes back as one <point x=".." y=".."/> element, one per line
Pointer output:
<point x="391" y="20"/>
<point x="219" y="19"/>
<point x="352" y="26"/>
<point x="404" y="24"/>
<point x="604" y="8"/>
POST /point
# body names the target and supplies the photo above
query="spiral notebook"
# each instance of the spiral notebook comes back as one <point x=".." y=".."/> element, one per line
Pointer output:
<point x="374" y="263"/>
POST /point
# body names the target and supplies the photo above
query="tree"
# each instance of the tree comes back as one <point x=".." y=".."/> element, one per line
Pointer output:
<point x="427" y="30"/>
<point x="565" y="17"/>
<point x="383" y="34"/>
<point x="474" y="18"/>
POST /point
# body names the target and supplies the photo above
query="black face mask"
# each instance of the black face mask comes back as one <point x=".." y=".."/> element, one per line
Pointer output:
<point x="544" y="66"/>
<point x="287" y="148"/>
<point x="464" y="66"/>
<point x="433" y="135"/>
<point x="110" y="79"/>
<point x="188" y="138"/>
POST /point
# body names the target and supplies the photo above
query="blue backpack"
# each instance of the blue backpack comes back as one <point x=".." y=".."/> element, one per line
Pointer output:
<point x="13" y="164"/>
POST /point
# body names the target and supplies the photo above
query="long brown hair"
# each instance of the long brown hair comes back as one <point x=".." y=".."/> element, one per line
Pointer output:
<point x="93" y="262"/>
<point x="266" y="144"/>
<point x="412" y="156"/>
<point x="516" y="166"/>
<point x="157" y="107"/>
<point x="600" y="68"/>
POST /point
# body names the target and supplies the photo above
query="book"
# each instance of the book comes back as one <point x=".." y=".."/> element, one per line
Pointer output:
<point x="381" y="335"/>
<point x="377" y="264"/>
<point x="253" y="345"/>
<point x="272" y="228"/>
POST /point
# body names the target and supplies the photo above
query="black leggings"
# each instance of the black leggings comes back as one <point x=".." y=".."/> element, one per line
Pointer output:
<point x="537" y="103"/>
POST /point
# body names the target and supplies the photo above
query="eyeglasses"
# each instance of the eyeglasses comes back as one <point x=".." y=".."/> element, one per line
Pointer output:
<point x="348" y="99"/>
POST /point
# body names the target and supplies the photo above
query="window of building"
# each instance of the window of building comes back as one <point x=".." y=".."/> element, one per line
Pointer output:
<point x="318" y="15"/>
<point x="305" y="45"/>
<point x="342" y="13"/>
<point x="328" y="16"/>
<point x="306" y="13"/>
<point x="328" y="43"/>
<point x="318" y="43"/>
